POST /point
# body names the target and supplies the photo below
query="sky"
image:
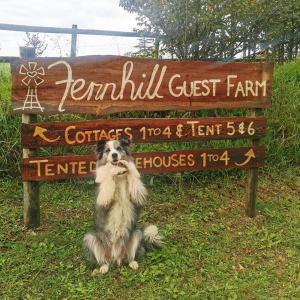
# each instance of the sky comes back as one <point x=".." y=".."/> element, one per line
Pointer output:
<point x="87" y="14"/>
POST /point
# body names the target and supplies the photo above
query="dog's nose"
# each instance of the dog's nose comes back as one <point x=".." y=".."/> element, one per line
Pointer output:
<point x="114" y="155"/>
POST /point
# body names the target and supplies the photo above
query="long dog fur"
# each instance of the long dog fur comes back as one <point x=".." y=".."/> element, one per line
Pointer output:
<point x="121" y="195"/>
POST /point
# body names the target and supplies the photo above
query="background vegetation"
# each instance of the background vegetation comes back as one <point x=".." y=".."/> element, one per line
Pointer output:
<point x="222" y="30"/>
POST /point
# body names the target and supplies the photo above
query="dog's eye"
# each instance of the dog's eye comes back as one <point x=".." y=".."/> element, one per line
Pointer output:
<point x="107" y="150"/>
<point x="119" y="148"/>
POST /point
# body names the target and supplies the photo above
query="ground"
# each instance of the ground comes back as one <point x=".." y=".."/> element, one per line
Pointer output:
<point x="212" y="250"/>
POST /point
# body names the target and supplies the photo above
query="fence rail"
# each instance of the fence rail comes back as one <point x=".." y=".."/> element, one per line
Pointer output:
<point x="9" y="59"/>
<point x="74" y="32"/>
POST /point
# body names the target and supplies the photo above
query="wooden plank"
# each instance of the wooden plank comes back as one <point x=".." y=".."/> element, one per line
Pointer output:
<point x="63" y="167"/>
<point x="109" y="84"/>
<point x="141" y="130"/>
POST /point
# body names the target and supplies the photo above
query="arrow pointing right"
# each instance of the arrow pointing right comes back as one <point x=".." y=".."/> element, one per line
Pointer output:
<point x="250" y="154"/>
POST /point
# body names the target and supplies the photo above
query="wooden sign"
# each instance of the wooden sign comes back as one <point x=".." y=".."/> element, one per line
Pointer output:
<point x="63" y="167"/>
<point x="110" y="84"/>
<point x="141" y="130"/>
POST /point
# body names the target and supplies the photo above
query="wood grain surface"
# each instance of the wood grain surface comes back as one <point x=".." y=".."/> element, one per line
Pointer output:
<point x="64" y="167"/>
<point x="141" y="130"/>
<point x="109" y="84"/>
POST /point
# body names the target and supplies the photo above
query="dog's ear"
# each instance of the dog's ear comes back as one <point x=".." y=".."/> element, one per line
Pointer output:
<point x="125" y="142"/>
<point x="100" y="148"/>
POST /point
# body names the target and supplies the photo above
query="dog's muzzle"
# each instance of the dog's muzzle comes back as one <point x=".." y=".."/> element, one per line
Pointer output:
<point x="115" y="158"/>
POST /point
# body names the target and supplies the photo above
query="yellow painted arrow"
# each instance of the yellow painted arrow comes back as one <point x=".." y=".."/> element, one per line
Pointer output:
<point x="250" y="154"/>
<point x="39" y="131"/>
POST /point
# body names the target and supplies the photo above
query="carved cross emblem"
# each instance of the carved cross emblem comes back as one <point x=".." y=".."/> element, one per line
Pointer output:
<point x="32" y="74"/>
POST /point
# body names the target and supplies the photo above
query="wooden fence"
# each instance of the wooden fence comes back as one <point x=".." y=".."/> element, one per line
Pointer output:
<point x="74" y="32"/>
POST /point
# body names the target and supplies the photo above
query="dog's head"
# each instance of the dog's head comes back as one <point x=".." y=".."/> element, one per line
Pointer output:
<point x="113" y="151"/>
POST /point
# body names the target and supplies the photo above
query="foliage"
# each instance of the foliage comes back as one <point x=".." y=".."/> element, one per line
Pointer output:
<point x="145" y="48"/>
<point x="10" y="146"/>
<point x="212" y="29"/>
<point x="211" y="251"/>
<point x="34" y="40"/>
<point x="283" y="118"/>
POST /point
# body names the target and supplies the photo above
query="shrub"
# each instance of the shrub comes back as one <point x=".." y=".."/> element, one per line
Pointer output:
<point x="10" y="145"/>
<point x="283" y="133"/>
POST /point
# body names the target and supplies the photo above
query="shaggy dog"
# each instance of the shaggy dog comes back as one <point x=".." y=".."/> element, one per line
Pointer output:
<point x="121" y="196"/>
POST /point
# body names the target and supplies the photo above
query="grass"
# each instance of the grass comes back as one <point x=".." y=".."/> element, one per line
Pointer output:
<point x="211" y="251"/>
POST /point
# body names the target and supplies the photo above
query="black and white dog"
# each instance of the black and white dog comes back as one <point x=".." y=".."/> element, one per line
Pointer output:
<point x="121" y="196"/>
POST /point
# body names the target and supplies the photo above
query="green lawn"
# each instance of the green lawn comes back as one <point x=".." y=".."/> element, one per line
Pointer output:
<point x="211" y="251"/>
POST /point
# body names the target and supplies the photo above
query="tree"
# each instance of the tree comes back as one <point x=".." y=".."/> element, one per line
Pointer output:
<point x="61" y="44"/>
<point x="34" y="40"/>
<point x="145" y="47"/>
<point x="282" y="29"/>
<point x="213" y="29"/>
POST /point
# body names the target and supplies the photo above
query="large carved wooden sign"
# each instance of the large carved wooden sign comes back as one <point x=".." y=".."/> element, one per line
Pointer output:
<point x="103" y="85"/>
<point x="41" y="168"/>
<point x="109" y="84"/>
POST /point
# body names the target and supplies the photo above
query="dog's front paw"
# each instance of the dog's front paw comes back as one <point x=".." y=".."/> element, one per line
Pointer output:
<point x="119" y="170"/>
<point x="122" y="171"/>
<point x="123" y="163"/>
<point x="134" y="265"/>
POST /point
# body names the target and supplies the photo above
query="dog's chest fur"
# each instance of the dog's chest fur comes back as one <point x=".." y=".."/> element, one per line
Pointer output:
<point x="121" y="214"/>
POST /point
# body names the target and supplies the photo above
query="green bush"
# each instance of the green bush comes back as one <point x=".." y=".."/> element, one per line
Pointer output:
<point x="10" y="145"/>
<point x="283" y="133"/>
<point x="282" y="137"/>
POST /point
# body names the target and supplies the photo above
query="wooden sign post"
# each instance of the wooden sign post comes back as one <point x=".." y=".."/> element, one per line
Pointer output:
<point x="31" y="213"/>
<point x="252" y="179"/>
<point x="104" y="85"/>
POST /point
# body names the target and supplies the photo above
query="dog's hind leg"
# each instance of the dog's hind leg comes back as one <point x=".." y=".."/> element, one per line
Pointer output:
<point x="102" y="270"/>
<point x="95" y="253"/>
<point x="132" y="248"/>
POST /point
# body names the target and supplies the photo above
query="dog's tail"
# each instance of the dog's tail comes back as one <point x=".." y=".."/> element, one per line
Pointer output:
<point x="151" y="238"/>
<point x="91" y="247"/>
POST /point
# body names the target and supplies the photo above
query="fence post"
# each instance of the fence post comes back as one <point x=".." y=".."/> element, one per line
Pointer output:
<point x="74" y="41"/>
<point x="252" y="179"/>
<point x="156" y="47"/>
<point x="30" y="188"/>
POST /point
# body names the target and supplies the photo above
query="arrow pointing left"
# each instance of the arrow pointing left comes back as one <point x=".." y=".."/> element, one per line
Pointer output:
<point x="40" y="131"/>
